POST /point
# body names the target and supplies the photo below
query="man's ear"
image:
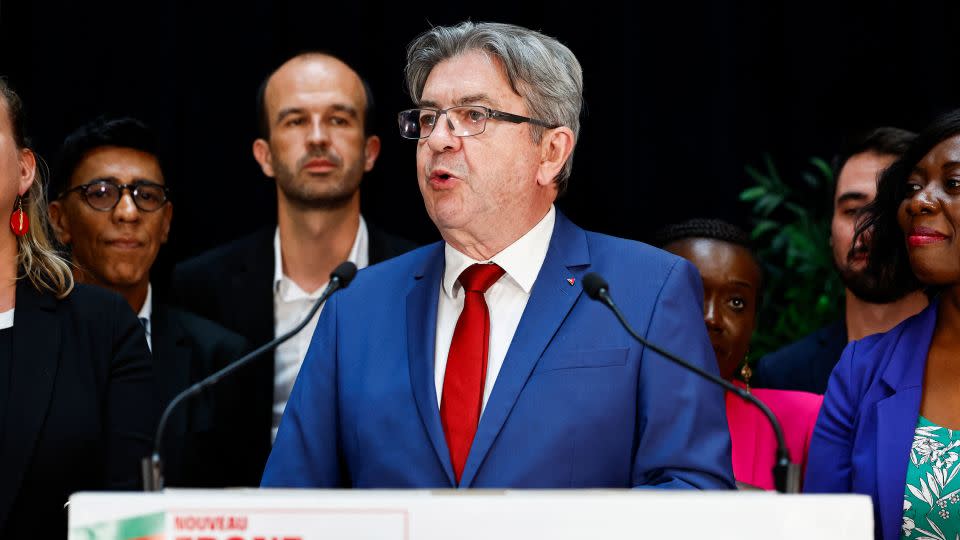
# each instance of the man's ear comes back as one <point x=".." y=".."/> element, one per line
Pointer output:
<point x="555" y="148"/>
<point x="371" y="151"/>
<point x="261" y="153"/>
<point x="60" y="222"/>
<point x="167" y="218"/>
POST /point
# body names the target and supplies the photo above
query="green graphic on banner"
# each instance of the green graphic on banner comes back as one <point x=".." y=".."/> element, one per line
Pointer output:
<point x="145" y="527"/>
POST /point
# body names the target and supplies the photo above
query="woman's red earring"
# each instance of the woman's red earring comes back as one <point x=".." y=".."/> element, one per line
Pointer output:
<point x="19" y="222"/>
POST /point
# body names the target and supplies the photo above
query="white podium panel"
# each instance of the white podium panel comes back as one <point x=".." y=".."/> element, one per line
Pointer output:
<point x="465" y="515"/>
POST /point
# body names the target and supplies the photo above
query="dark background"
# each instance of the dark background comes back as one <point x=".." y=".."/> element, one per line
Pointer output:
<point x="680" y="95"/>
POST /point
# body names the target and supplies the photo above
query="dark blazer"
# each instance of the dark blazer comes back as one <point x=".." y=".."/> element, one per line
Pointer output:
<point x="803" y="365"/>
<point x="80" y="411"/>
<point x="233" y="286"/>
<point x="862" y="440"/>
<point x="577" y="403"/>
<point x="197" y="450"/>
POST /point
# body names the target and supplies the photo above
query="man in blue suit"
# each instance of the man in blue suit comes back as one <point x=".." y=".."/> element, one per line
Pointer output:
<point x="478" y="361"/>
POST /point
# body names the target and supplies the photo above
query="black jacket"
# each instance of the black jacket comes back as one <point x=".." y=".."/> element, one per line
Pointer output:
<point x="197" y="449"/>
<point x="805" y="364"/>
<point x="233" y="286"/>
<point x="80" y="407"/>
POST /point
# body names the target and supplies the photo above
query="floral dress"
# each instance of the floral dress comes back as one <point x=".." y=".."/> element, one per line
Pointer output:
<point x="931" y="500"/>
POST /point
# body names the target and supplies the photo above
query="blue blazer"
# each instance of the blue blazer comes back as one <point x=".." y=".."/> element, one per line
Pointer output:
<point x="862" y="440"/>
<point x="577" y="402"/>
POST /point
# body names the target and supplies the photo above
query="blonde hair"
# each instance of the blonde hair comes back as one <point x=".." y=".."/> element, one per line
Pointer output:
<point x="37" y="258"/>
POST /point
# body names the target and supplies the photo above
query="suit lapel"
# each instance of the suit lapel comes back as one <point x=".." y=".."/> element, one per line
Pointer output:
<point x="252" y="293"/>
<point x="421" y="344"/>
<point x="896" y="422"/>
<point x="171" y="365"/>
<point x="897" y="416"/>
<point x="551" y="299"/>
<point x="252" y="298"/>
<point x="36" y="357"/>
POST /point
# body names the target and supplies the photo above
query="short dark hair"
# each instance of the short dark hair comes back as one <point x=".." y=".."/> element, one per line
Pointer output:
<point x="263" y="118"/>
<point x="889" y="262"/>
<point x="122" y="132"/>
<point x="885" y="141"/>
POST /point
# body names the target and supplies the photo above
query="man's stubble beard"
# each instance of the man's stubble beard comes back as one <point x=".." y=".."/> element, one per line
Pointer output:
<point x="339" y="193"/>
<point x="864" y="285"/>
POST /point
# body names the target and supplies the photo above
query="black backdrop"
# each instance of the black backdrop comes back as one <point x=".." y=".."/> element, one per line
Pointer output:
<point x="680" y="95"/>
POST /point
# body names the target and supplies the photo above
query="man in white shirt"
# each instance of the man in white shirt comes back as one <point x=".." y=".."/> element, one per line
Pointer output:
<point x="315" y="143"/>
<point x="478" y="361"/>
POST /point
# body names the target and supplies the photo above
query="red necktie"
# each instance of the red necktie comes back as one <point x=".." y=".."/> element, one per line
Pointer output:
<point x="467" y="364"/>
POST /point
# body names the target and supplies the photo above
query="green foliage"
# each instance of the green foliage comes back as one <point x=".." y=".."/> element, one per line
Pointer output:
<point x="791" y="229"/>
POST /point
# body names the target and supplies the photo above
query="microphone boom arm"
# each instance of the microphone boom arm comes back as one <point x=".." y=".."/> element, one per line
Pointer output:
<point x="152" y="467"/>
<point x="786" y="474"/>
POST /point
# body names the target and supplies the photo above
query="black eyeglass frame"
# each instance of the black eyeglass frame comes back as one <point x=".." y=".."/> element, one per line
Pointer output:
<point x="491" y="113"/>
<point x="132" y="188"/>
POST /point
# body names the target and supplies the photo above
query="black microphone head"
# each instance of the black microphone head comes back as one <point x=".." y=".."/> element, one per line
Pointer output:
<point x="344" y="273"/>
<point x="593" y="283"/>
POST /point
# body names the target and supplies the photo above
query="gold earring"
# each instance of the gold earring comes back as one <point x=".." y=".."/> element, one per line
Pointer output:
<point x="746" y="372"/>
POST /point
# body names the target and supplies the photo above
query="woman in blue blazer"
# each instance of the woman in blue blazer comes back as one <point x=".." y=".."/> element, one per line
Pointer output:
<point x="887" y="424"/>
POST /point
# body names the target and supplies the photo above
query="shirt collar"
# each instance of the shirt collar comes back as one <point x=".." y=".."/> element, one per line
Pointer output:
<point x="147" y="310"/>
<point x="521" y="260"/>
<point x="359" y="253"/>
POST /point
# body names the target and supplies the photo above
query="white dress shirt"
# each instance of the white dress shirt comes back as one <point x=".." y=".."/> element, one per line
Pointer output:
<point x="506" y="299"/>
<point x="6" y="319"/>
<point x="145" y="313"/>
<point x="290" y="305"/>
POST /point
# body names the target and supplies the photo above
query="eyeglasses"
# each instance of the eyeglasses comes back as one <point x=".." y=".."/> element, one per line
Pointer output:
<point x="462" y="121"/>
<point x="104" y="195"/>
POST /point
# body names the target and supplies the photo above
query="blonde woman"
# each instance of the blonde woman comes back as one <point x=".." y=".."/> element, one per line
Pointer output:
<point x="75" y="372"/>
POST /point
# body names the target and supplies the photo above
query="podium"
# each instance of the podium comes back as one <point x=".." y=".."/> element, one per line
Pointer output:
<point x="251" y="514"/>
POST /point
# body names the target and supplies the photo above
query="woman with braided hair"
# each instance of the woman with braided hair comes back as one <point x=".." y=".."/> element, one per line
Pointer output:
<point x="731" y="282"/>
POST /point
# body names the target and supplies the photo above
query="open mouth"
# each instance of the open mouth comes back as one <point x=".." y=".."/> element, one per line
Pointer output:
<point x="442" y="179"/>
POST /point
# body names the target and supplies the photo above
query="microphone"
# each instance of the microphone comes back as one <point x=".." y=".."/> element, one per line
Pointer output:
<point x="786" y="475"/>
<point x="152" y="466"/>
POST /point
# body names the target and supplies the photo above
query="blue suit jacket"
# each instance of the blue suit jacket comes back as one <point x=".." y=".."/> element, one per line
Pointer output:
<point x="577" y="403"/>
<point x="862" y="440"/>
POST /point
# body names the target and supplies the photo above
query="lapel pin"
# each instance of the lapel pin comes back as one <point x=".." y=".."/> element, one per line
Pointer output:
<point x="571" y="280"/>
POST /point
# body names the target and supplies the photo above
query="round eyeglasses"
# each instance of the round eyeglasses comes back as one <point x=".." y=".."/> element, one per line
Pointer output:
<point x="463" y="121"/>
<point x="104" y="195"/>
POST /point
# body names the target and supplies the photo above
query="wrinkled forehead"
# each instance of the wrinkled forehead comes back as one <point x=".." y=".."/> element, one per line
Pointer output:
<point x="472" y="77"/>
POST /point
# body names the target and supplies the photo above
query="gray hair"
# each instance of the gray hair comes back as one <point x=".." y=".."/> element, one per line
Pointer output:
<point x="540" y="69"/>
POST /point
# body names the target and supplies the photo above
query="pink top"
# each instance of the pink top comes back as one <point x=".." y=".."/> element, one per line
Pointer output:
<point x="754" y="443"/>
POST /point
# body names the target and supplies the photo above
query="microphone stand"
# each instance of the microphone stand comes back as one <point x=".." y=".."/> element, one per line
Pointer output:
<point x="151" y="468"/>
<point x="786" y="475"/>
